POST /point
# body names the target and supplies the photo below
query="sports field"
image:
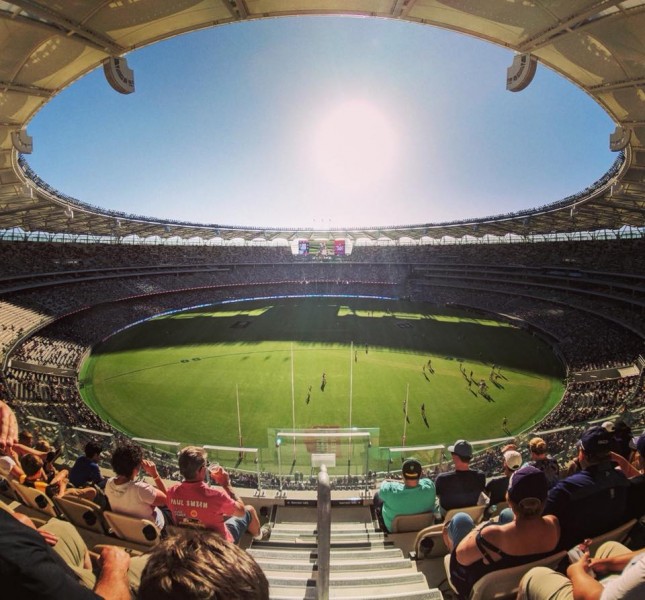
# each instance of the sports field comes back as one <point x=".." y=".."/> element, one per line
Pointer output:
<point x="181" y="376"/>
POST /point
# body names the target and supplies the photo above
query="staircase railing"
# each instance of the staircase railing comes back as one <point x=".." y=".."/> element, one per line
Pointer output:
<point x="324" y="533"/>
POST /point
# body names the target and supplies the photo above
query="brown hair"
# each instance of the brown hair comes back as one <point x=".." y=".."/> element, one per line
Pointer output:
<point x="200" y="565"/>
<point x="191" y="460"/>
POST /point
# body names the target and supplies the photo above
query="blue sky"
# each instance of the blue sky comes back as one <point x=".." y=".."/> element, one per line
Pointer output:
<point x="321" y="121"/>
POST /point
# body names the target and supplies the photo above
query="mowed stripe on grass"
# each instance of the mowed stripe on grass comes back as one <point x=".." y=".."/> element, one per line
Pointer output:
<point x="178" y="377"/>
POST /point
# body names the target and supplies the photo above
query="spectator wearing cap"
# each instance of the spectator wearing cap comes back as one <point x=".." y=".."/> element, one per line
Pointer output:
<point x="525" y="537"/>
<point x="496" y="486"/>
<point x="543" y="461"/>
<point x="416" y="494"/>
<point x="593" y="500"/>
<point x="463" y="486"/>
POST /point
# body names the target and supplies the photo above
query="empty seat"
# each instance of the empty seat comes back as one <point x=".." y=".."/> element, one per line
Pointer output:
<point x="133" y="529"/>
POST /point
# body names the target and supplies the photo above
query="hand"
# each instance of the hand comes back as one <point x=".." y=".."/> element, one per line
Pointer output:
<point x="150" y="468"/>
<point x="50" y="538"/>
<point x="220" y="477"/>
<point x="600" y="566"/>
<point x="115" y="559"/>
<point x="8" y="426"/>
<point x="582" y="565"/>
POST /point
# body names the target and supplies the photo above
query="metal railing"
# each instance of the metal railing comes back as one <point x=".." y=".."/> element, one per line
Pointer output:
<point x="324" y="534"/>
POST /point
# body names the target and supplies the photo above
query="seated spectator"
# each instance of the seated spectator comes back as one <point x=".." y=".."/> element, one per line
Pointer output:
<point x="636" y="491"/>
<point x="53" y="486"/>
<point x="543" y="461"/>
<point x="623" y="463"/>
<point x="497" y="486"/>
<point x="194" y="501"/>
<point x="416" y="494"/>
<point x="136" y="498"/>
<point x="10" y="465"/>
<point x="86" y="469"/>
<point x="477" y="550"/>
<point x="196" y="565"/>
<point x="463" y="486"/>
<point x="31" y="565"/>
<point x="621" y="439"/>
<point x="26" y="438"/>
<point x="48" y="454"/>
<point x="623" y="573"/>
<point x="594" y="500"/>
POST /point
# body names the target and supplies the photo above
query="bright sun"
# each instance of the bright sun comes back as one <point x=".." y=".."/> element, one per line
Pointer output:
<point x="355" y="146"/>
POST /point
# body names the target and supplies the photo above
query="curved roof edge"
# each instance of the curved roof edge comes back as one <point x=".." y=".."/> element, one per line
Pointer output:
<point x="598" y="46"/>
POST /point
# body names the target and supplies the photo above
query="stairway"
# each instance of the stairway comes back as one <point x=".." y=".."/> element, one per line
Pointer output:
<point x="363" y="563"/>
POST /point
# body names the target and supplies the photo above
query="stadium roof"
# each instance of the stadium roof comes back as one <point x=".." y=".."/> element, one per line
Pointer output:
<point x="597" y="44"/>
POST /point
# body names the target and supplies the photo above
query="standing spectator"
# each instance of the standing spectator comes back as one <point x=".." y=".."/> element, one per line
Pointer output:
<point x="135" y="498"/>
<point x="463" y="486"/>
<point x="415" y="495"/>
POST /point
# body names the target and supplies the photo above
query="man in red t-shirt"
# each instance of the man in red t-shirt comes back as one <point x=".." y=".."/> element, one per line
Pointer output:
<point x="216" y="508"/>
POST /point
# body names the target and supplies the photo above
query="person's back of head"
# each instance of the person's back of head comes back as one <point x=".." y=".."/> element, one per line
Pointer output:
<point x="537" y="446"/>
<point x="461" y="452"/>
<point x="92" y="449"/>
<point x="191" y="460"/>
<point x="126" y="458"/>
<point x="200" y="565"/>
<point x="31" y="464"/>
<point x="25" y="438"/>
<point x="412" y="472"/>
<point x="595" y="445"/>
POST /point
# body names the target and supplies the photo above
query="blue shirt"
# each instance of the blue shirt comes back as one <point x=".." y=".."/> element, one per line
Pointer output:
<point x="84" y="471"/>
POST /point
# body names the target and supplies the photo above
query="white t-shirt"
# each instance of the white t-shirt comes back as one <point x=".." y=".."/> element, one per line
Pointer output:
<point x="134" y="498"/>
<point x="630" y="585"/>
<point x="6" y="464"/>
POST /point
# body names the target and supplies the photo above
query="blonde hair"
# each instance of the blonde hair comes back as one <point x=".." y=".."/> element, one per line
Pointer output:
<point x="537" y="445"/>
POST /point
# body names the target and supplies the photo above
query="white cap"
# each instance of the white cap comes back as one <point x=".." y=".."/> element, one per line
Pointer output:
<point x="513" y="459"/>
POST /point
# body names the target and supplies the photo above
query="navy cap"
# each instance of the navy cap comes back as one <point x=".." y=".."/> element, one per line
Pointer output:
<point x="596" y="441"/>
<point x="527" y="482"/>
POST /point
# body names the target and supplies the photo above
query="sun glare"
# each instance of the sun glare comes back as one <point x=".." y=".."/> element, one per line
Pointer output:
<point x="355" y="146"/>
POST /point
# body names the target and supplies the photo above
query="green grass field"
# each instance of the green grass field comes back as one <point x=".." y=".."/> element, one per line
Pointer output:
<point x="178" y="377"/>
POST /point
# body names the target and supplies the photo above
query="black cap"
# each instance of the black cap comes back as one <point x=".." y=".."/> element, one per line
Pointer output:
<point x="411" y="469"/>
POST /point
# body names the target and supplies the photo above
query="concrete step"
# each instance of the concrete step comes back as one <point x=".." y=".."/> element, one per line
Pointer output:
<point x="377" y="591"/>
<point x="291" y="553"/>
<point x="311" y="527"/>
<point x="336" y="536"/>
<point x="354" y="566"/>
<point x="397" y="578"/>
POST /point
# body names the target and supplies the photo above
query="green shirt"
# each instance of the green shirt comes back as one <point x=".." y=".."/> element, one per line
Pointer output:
<point x="401" y="500"/>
